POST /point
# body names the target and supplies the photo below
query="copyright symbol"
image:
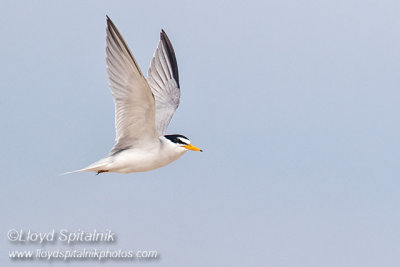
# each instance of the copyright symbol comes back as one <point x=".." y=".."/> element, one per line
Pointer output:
<point x="13" y="235"/>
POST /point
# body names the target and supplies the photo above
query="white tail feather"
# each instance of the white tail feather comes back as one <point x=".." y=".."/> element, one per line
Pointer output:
<point x="100" y="165"/>
<point x="65" y="173"/>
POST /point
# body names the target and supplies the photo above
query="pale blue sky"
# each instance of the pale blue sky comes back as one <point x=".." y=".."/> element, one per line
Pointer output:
<point x="295" y="103"/>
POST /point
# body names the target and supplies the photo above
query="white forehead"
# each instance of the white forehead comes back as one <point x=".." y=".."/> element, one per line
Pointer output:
<point x="183" y="140"/>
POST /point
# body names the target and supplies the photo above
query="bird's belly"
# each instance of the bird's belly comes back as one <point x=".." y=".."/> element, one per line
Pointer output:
<point x="132" y="160"/>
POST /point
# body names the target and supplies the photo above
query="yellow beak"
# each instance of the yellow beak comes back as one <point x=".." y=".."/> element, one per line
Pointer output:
<point x="192" y="148"/>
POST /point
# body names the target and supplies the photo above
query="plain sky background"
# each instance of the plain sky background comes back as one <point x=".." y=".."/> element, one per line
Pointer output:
<point x="295" y="103"/>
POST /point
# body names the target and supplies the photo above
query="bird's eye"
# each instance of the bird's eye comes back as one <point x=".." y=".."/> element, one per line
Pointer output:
<point x="183" y="141"/>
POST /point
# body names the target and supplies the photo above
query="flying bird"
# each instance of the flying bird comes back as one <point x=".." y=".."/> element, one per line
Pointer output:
<point x="143" y="108"/>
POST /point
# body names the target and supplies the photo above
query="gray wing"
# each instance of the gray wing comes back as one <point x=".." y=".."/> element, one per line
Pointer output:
<point x="134" y="102"/>
<point x="163" y="79"/>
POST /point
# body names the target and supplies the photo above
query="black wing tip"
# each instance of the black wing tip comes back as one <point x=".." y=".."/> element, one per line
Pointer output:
<point x="113" y="33"/>
<point x="171" y="55"/>
<point x="163" y="35"/>
<point x="110" y="23"/>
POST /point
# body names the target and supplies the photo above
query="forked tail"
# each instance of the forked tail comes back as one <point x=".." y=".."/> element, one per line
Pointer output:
<point x="99" y="167"/>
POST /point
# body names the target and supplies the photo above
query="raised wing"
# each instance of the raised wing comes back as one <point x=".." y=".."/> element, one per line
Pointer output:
<point x="163" y="79"/>
<point x="134" y="102"/>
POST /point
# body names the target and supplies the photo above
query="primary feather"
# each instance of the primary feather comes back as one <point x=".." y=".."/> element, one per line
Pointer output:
<point x="163" y="79"/>
<point x="134" y="102"/>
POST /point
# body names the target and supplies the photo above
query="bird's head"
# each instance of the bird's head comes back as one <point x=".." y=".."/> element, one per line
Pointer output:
<point x="182" y="141"/>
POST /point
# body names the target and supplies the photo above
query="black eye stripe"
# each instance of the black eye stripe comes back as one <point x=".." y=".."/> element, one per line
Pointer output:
<point x="175" y="138"/>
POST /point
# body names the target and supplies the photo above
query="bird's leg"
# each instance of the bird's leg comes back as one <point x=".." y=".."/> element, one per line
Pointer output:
<point x="101" y="171"/>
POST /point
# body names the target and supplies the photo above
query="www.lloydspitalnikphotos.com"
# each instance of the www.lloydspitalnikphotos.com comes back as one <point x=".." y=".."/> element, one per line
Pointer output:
<point x="63" y="235"/>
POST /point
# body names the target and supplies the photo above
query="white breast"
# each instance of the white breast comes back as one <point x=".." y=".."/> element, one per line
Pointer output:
<point x="141" y="159"/>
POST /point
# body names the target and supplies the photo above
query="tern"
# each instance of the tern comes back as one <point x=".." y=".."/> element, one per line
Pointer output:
<point x="143" y="108"/>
